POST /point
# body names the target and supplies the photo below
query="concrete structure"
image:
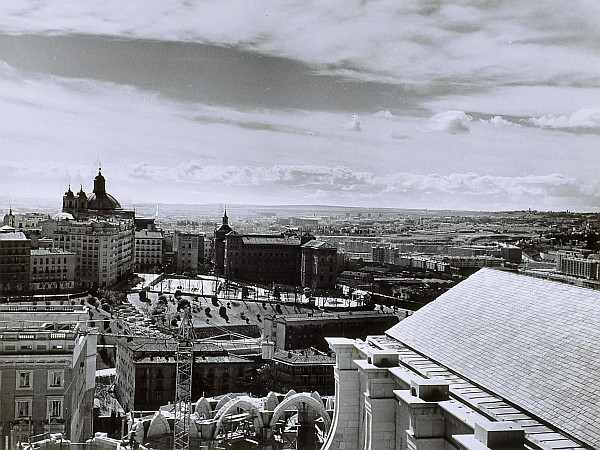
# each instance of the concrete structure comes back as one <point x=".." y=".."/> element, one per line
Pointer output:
<point x="148" y="251"/>
<point x="52" y="270"/>
<point x="303" y="370"/>
<point x="500" y="361"/>
<point x="189" y="251"/>
<point x="47" y="369"/>
<point x="104" y="249"/>
<point x="577" y="265"/>
<point x="318" y="268"/>
<point x="15" y="261"/>
<point x="291" y="420"/>
<point x="264" y="259"/>
<point x="299" y="331"/>
<point x="146" y="371"/>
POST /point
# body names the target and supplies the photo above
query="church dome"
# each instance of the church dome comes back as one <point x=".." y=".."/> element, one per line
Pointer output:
<point x="63" y="216"/>
<point x="100" y="199"/>
<point x="103" y="201"/>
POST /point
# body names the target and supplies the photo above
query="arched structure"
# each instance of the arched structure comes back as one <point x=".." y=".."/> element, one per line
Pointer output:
<point x="245" y="403"/>
<point x="271" y="401"/>
<point x="159" y="426"/>
<point x="296" y="399"/>
<point x="223" y="401"/>
<point x="203" y="409"/>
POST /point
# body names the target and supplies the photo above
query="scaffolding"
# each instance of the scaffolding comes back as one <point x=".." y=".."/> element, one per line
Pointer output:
<point x="183" y="386"/>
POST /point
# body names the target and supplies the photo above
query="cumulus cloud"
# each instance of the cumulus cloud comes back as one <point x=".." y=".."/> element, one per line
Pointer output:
<point x="384" y="114"/>
<point x="341" y="183"/>
<point x="338" y="177"/>
<point x="499" y="121"/>
<point x="453" y="122"/>
<point x="584" y="118"/>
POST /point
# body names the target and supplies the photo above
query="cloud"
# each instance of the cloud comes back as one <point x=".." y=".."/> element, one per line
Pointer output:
<point x="453" y="122"/>
<point x="343" y="183"/>
<point x="398" y="135"/>
<point x="499" y="121"/>
<point x="354" y="124"/>
<point x="412" y="41"/>
<point x="584" y="119"/>
<point x="384" y="114"/>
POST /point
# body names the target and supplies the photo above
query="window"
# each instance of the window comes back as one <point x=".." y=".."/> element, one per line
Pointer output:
<point x="24" y="379"/>
<point x="23" y="407"/>
<point x="55" y="378"/>
<point x="55" y="408"/>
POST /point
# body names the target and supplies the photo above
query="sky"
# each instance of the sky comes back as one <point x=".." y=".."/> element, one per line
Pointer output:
<point x="471" y="104"/>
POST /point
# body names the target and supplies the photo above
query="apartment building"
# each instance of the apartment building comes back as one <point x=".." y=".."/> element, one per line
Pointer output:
<point x="148" y="250"/>
<point x="52" y="270"/>
<point x="47" y="372"/>
<point x="15" y="262"/>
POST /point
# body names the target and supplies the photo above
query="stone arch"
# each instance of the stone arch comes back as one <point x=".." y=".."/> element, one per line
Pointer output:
<point x="293" y="400"/>
<point x="316" y="396"/>
<point x="159" y="426"/>
<point x="289" y="393"/>
<point x="271" y="401"/>
<point x="203" y="408"/>
<point x="246" y="403"/>
<point x="224" y="400"/>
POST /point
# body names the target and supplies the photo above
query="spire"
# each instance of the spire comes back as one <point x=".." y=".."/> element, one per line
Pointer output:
<point x="225" y="218"/>
<point x="99" y="183"/>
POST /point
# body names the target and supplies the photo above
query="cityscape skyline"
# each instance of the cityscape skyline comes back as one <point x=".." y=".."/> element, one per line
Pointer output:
<point x="424" y="105"/>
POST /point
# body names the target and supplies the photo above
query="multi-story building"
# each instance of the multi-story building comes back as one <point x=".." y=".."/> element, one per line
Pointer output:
<point x="189" y="251"/>
<point x="298" y="331"/>
<point x="47" y="370"/>
<point x="576" y="264"/>
<point x="52" y="270"/>
<point x="148" y="250"/>
<point x="263" y="259"/>
<point x="304" y="370"/>
<point x="15" y="257"/>
<point x="146" y="371"/>
<point x="318" y="268"/>
<point x="104" y="249"/>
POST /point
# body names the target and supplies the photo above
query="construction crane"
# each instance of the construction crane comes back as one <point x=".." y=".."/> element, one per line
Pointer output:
<point x="183" y="384"/>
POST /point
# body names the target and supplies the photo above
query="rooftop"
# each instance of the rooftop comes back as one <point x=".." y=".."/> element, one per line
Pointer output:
<point x="11" y="235"/>
<point x="272" y="240"/>
<point x="147" y="234"/>
<point x="531" y="341"/>
<point x="50" y="251"/>
<point x="304" y="356"/>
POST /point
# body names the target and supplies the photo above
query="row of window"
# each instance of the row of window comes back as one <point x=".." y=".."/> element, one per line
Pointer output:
<point x="24" y="407"/>
<point x="24" y="379"/>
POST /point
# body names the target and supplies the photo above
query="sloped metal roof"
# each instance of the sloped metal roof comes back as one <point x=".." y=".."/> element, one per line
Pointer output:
<point x="534" y="342"/>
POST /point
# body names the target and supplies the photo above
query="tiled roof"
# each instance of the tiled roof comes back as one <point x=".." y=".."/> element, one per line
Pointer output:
<point x="533" y="342"/>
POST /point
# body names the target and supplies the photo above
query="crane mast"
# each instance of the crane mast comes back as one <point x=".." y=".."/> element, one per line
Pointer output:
<point x="183" y="386"/>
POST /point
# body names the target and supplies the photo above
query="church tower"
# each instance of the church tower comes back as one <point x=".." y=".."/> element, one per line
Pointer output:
<point x="219" y="236"/>
<point x="9" y="219"/>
